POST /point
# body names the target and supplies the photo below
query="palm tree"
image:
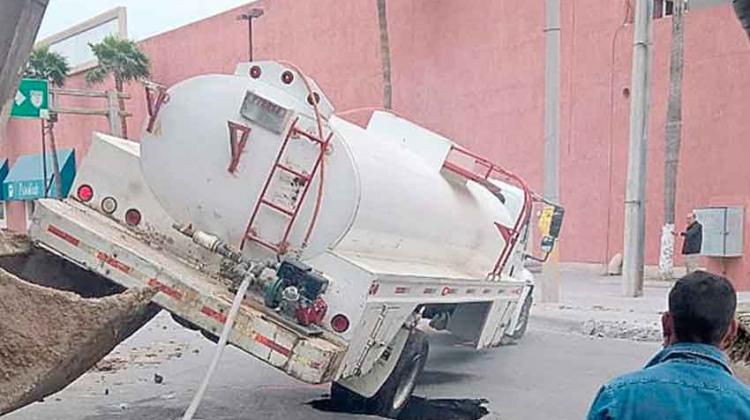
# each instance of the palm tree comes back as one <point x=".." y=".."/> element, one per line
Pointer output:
<point x="124" y="61"/>
<point x="47" y="65"/>
<point x="672" y="138"/>
<point x="742" y="8"/>
<point x="385" y="54"/>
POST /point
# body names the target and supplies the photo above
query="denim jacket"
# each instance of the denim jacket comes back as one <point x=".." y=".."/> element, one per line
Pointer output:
<point x="684" y="381"/>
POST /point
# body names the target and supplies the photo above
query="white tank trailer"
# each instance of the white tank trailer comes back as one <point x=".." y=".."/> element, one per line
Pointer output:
<point x="362" y="233"/>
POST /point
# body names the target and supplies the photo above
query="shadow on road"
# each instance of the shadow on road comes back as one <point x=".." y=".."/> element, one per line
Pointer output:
<point x="419" y="408"/>
<point x="436" y="377"/>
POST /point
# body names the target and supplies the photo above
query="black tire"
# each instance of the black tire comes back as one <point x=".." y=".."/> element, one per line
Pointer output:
<point x="523" y="318"/>
<point x="394" y="394"/>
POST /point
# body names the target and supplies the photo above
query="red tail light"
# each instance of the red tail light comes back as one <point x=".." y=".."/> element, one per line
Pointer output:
<point x="133" y="217"/>
<point x="85" y="193"/>
<point x="287" y="77"/>
<point x="255" y="72"/>
<point x="340" y="323"/>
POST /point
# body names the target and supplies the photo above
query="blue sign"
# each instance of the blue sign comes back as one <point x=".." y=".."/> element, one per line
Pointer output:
<point x="24" y="190"/>
<point x="26" y="178"/>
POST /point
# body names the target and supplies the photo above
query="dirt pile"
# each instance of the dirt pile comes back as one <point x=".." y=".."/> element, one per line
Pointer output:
<point x="48" y="337"/>
<point x="739" y="352"/>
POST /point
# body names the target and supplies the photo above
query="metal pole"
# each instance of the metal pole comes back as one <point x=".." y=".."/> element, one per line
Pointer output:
<point x="250" y="39"/>
<point x="635" y="192"/>
<point x="550" y="285"/>
<point x="249" y="16"/>
<point x="55" y="162"/>
<point x="44" y="161"/>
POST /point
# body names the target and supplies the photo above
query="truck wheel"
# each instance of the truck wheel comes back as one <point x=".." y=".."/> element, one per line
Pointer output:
<point x="523" y="319"/>
<point x="395" y="392"/>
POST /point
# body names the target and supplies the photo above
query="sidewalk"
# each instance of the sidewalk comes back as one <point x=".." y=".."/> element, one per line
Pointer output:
<point x="592" y="304"/>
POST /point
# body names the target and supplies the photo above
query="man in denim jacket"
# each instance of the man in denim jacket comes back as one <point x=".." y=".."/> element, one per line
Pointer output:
<point x="690" y="378"/>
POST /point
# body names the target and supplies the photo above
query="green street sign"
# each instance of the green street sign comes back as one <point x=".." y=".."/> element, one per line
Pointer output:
<point x="31" y="100"/>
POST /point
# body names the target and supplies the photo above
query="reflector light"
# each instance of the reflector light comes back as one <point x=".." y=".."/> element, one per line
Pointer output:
<point x="85" y="193"/>
<point x="255" y="72"/>
<point x="109" y="205"/>
<point x="314" y="97"/>
<point x="340" y="323"/>
<point x="133" y="217"/>
<point x="287" y="77"/>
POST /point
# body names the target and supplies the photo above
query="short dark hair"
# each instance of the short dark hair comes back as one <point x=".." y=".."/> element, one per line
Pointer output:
<point x="702" y="306"/>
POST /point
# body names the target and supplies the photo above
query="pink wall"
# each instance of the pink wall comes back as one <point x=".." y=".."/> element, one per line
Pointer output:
<point x="475" y="73"/>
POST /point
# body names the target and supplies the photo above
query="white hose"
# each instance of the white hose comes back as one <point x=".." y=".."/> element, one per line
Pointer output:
<point x="219" y="348"/>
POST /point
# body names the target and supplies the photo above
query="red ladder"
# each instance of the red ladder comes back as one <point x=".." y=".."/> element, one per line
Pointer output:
<point x="251" y="233"/>
<point x="512" y="235"/>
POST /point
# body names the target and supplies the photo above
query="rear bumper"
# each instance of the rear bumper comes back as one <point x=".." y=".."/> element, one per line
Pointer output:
<point x="99" y="244"/>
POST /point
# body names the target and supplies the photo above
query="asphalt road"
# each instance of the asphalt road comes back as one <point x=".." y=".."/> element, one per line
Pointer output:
<point x="549" y="375"/>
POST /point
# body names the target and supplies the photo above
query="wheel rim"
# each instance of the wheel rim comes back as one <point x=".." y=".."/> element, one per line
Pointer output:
<point x="406" y="386"/>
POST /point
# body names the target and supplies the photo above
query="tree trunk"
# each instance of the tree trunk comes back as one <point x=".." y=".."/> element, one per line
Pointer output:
<point x="672" y="139"/>
<point x="121" y="103"/>
<point x="385" y="54"/>
<point x="742" y="8"/>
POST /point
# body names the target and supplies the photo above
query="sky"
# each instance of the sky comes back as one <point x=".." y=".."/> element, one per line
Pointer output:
<point x="145" y="17"/>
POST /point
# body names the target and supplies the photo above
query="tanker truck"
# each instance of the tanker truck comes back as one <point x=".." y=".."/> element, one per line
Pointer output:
<point x="337" y="243"/>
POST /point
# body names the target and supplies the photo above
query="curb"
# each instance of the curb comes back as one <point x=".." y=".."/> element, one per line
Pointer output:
<point x="597" y="328"/>
<point x="556" y="323"/>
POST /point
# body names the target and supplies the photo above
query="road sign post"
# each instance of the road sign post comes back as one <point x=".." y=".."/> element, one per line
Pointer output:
<point x="31" y="99"/>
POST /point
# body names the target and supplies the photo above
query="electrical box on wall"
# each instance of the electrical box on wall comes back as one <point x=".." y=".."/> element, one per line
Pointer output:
<point x="722" y="231"/>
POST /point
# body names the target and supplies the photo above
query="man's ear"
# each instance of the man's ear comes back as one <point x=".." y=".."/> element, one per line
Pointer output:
<point x="667" y="328"/>
<point x="730" y="336"/>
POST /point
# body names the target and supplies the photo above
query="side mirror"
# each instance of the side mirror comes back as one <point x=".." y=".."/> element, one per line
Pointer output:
<point x="550" y="224"/>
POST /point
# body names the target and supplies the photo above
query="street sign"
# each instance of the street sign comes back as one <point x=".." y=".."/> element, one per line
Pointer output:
<point x="24" y="190"/>
<point x="31" y="100"/>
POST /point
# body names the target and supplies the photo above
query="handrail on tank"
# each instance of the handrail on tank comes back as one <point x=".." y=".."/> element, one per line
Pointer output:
<point x="156" y="96"/>
<point x="484" y="179"/>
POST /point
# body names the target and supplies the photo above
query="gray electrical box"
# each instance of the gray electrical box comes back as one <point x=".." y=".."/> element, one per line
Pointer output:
<point x="722" y="231"/>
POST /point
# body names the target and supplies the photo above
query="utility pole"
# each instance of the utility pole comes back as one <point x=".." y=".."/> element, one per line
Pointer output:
<point x="672" y="137"/>
<point x="249" y="16"/>
<point x="550" y="285"/>
<point x="635" y="190"/>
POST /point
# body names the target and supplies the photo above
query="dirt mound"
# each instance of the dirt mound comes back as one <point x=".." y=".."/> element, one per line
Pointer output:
<point x="48" y="337"/>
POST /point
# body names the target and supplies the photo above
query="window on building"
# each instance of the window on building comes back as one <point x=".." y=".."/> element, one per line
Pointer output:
<point x="3" y="215"/>
<point x="30" y="206"/>
<point x="663" y="8"/>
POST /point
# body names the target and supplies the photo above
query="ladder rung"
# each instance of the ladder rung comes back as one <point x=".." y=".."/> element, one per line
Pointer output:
<point x="308" y="136"/>
<point x="270" y="246"/>
<point x="277" y="207"/>
<point x="293" y="171"/>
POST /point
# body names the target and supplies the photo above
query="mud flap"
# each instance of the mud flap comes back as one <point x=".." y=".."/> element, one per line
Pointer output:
<point x="368" y="384"/>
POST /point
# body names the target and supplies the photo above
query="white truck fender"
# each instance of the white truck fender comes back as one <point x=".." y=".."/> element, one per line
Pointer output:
<point x="528" y="289"/>
<point x="368" y="384"/>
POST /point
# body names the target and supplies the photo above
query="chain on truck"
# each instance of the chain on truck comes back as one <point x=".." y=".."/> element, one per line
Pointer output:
<point x="347" y="237"/>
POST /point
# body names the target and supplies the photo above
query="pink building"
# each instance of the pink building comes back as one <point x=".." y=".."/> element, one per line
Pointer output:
<point x="475" y="73"/>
